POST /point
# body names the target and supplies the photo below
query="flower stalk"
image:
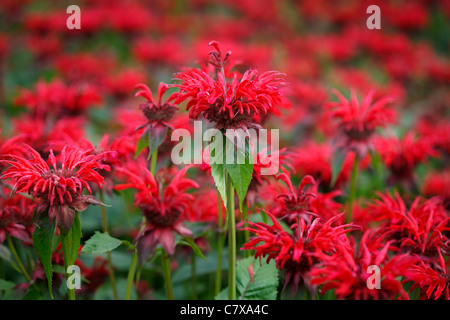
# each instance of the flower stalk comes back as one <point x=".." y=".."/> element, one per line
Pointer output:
<point x="231" y="240"/>
<point x="353" y="188"/>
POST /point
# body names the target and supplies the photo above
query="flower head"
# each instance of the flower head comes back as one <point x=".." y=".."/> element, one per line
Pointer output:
<point x="239" y="103"/>
<point x="347" y="273"/>
<point x="163" y="208"/>
<point x="58" y="188"/>
<point x="296" y="253"/>
<point x="358" y="121"/>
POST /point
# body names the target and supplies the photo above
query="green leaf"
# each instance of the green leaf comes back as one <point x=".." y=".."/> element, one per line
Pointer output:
<point x="142" y="144"/>
<point x="6" y="285"/>
<point x="43" y="238"/>
<point x="263" y="286"/>
<point x="100" y="243"/>
<point x="240" y="174"/>
<point x="156" y="136"/>
<point x="218" y="174"/>
<point x="188" y="241"/>
<point x="75" y="238"/>
<point x="4" y="253"/>
<point x="336" y="165"/>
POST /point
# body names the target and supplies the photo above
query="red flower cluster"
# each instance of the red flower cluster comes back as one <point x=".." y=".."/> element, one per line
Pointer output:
<point x="239" y="104"/>
<point x="163" y="210"/>
<point x="59" y="189"/>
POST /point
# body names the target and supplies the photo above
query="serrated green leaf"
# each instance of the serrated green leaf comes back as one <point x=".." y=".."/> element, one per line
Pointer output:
<point x="218" y="174"/>
<point x="240" y="174"/>
<point x="261" y="286"/>
<point x="75" y="238"/>
<point x="43" y="238"/>
<point x="100" y="243"/>
<point x="188" y="241"/>
<point x="336" y="165"/>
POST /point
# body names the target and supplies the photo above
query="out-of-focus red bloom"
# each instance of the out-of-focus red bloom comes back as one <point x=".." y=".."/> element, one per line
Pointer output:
<point x="402" y="155"/>
<point x="297" y="253"/>
<point x="57" y="98"/>
<point x="206" y="207"/>
<point x="435" y="284"/>
<point x="122" y="84"/>
<point x="44" y="135"/>
<point x="358" y="121"/>
<point x="316" y="159"/>
<point x="419" y="230"/>
<point x="16" y="217"/>
<point x="437" y="131"/>
<point x="438" y="184"/>
<point x="59" y="188"/>
<point x="239" y="104"/>
<point x="94" y="275"/>
<point x="163" y="210"/>
<point x="347" y="272"/>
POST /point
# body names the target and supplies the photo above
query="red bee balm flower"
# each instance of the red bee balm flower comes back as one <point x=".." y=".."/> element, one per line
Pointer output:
<point x="162" y="209"/>
<point x="296" y="254"/>
<point x="239" y="104"/>
<point x="358" y="120"/>
<point x="158" y="115"/>
<point x="60" y="188"/>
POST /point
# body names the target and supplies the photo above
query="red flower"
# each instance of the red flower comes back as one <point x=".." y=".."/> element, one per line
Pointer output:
<point x="347" y="272"/>
<point x="358" y="120"/>
<point x="239" y="104"/>
<point x="163" y="210"/>
<point x="438" y="184"/>
<point x="16" y="214"/>
<point x="57" y="98"/>
<point x="419" y="230"/>
<point x="402" y="155"/>
<point x="296" y="253"/>
<point x="59" y="188"/>
<point x="433" y="283"/>
<point x="158" y="115"/>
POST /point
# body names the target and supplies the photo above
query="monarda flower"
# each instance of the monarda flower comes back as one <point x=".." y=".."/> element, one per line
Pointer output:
<point x="433" y="284"/>
<point x="298" y="252"/>
<point x="163" y="209"/>
<point x="402" y="155"/>
<point x="59" y="189"/>
<point x="238" y="103"/>
<point x="419" y="230"/>
<point x="16" y="214"/>
<point x="347" y="273"/>
<point x="358" y="120"/>
<point x="438" y="184"/>
<point x="157" y="113"/>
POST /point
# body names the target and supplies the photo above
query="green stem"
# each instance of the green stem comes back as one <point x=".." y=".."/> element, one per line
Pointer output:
<point x="194" y="276"/>
<point x="112" y="276"/>
<point x="16" y="256"/>
<point x="131" y="273"/>
<point x="231" y="240"/>
<point x="353" y="188"/>
<point x="132" y="270"/>
<point x="248" y="253"/>
<point x="167" y="277"/>
<point x="154" y="161"/>
<point x="66" y="254"/>
<point x="220" y="239"/>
